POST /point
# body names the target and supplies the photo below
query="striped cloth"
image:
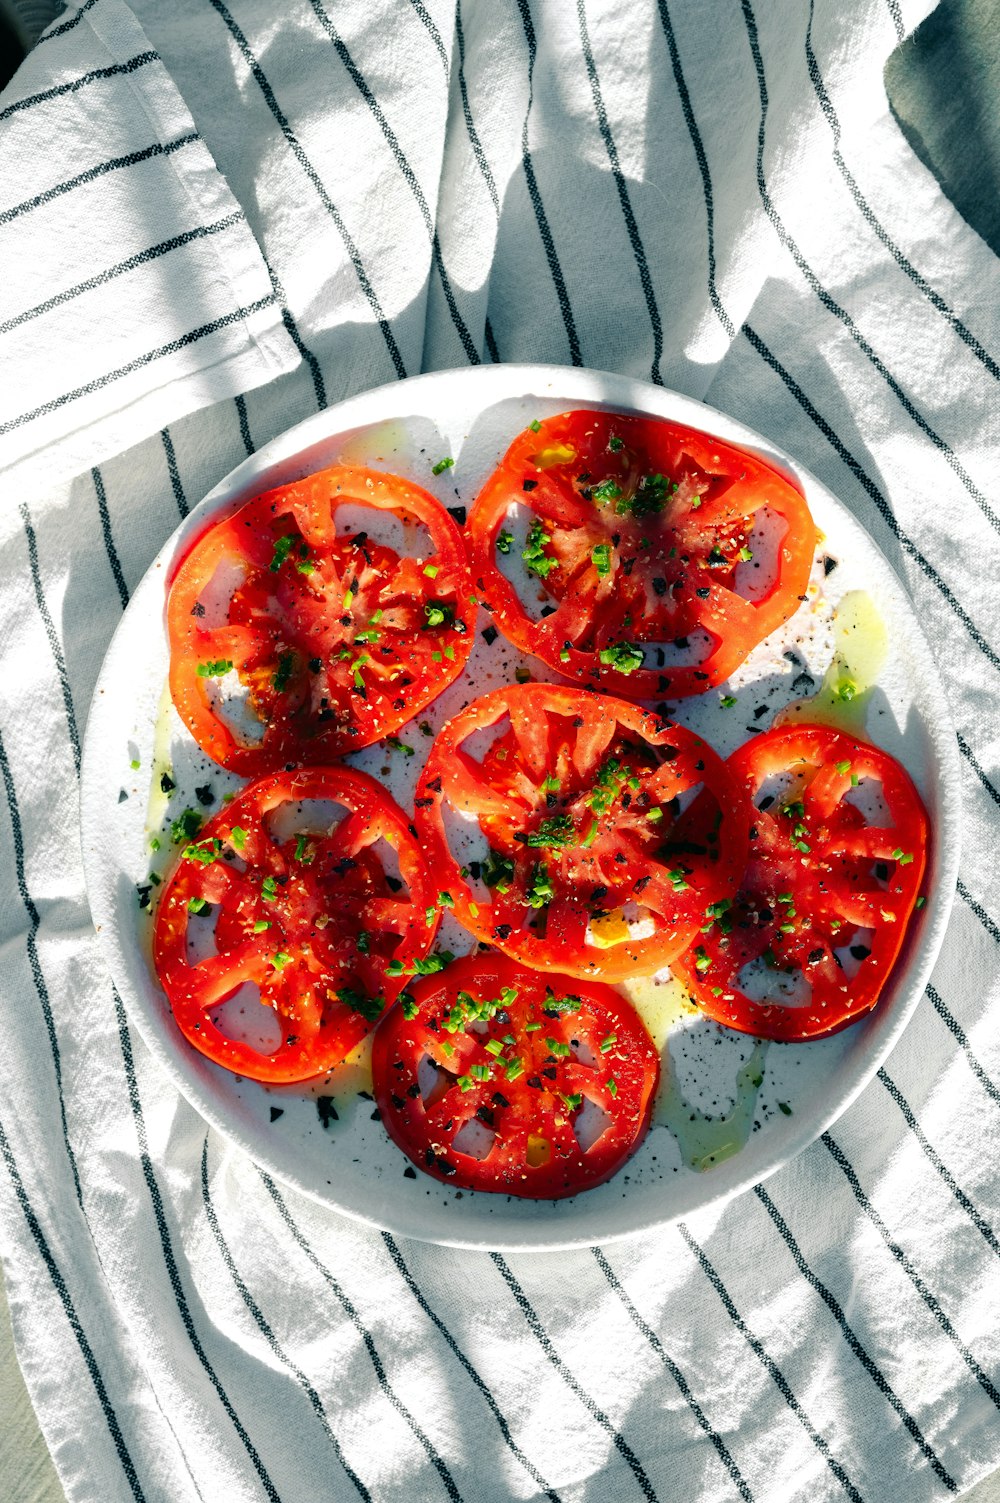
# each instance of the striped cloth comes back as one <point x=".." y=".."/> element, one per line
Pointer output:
<point x="711" y="195"/>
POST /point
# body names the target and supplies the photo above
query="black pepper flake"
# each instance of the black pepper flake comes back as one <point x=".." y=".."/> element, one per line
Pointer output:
<point x="502" y="931"/>
<point x="445" y="1168"/>
<point x="377" y="1115"/>
<point x="489" y="635"/>
<point x="535" y="1083"/>
<point x="549" y="1072"/>
<point x="276" y="1112"/>
<point x="204" y="794"/>
<point x="577" y="722"/>
<point x="409" y="1172"/>
<point x="486" y="1114"/>
<point x="628" y="564"/>
<point x="528" y="485"/>
<point x="434" y="784"/>
<point x="429" y="1157"/>
<point x="197" y="609"/>
<point x="829" y="564"/>
<point x="703" y="592"/>
<point x="413" y="1091"/>
<point x="547" y="610"/>
<point x="642" y="883"/>
<point x="760" y="710"/>
<point x="803" y="682"/>
<point x="422" y="803"/>
<point x="395" y="885"/>
<point x="499" y="1099"/>
<point x="326" y="1110"/>
<point x="122" y="795"/>
<point x="458" y="512"/>
<point x="816" y="955"/>
<point x="701" y="676"/>
<point x="315" y="664"/>
<point x="860" y="952"/>
<point x="660" y="585"/>
<point x="167" y="784"/>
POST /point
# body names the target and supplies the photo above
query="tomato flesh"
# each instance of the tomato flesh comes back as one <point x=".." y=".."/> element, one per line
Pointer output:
<point x="313" y="918"/>
<point x="493" y="1077"/>
<point x="823" y="906"/>
<point x="335" y="639"/>
<point x="641" y="532"/>
<point x="593" y="868"/>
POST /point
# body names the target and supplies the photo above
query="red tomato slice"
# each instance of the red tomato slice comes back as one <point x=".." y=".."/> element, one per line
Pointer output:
<point x="592" y="867"/>
<point x="313" y="917"/>
<point x="336" y="638"/>
<point x="641" y="532"/>
<point x="836" y="862"/>
<point x="492" y="1077"/>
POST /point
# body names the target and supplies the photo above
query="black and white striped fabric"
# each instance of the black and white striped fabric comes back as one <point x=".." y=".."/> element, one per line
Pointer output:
<point x="196" y="198"/>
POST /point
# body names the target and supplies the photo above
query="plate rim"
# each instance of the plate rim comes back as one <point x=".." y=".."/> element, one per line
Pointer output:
<point x="641" y="396"/>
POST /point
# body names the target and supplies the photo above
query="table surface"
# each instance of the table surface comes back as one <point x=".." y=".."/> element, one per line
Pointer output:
<point x="942" y="81"/>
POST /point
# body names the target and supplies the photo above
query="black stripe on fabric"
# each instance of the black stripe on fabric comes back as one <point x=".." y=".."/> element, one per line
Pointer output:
<point x="191" y="337"/>
<point x="958" y="1033"/>
<point x="292" y="330"/>
<point x="868" y="214"/>
<point x="433" y="1455"/>
<point x="735" y="1475"/>
<point x="314" y="1399"/>
<point x="241" y="412"/>
<point x="699" y="151"/>
<point x="884" y="509"/>
<point x="870" y="1367"/>
<point x="541" y="218"/>
<point x="101" y="170"/>
<point x="457" y="1352"/>
<point x="972" y="1211"/>
<point x="109" y="542"/>
<point x="37" y="975"/>
<point x="970" y="757"/>
<point x="409" y="176"/>
<point x="491" y="342"/>
<point x="770" y="1366"/>
<point x="897" y="19"/>
<point x="470" y="124"/>
<point x="140" y="259"/>
<point x="929" y="1299"/>
<point x="50" y="632"/>
<point x="57" y="31"/>
<point x="757" y="344"/>
<point x="293" y="142"/>
<point x="434" y="34"/>
<point x="634" y="237"/>
<point x="830" y="303"/>
<point x="174" y="472"/>
<point x="139" y="61"/>
<point x="984" y="918"/>
<point x="542" y="1337"/>
<point x="69" y="1310"/>
<point x="170" y="1262"/>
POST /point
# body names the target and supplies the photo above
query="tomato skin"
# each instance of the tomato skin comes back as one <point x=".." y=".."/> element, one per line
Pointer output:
<point x="333" y="635"/>
<point x="668" y="571"/>
<point x="812" y="882"/>
<point x="588" y="841"/>
<point x="310" y="899"/>
<point x="526" y="1098"/>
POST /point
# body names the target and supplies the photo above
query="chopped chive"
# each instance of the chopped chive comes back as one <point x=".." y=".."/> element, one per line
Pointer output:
<point x="442" y="465"/>
<point x="261" y="925"/>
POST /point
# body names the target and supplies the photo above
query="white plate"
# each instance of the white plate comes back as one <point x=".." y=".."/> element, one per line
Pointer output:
<point x="349" y="1164"/>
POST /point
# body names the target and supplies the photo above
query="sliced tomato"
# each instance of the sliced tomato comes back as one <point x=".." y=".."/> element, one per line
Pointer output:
<point x="650" y="559"/>
<point x="838" y="847"/>
<point x="591" y="858"/>
<point x="492" y="1077"/>
<point x="335" y="639"/>
<point x="314" y="916"/>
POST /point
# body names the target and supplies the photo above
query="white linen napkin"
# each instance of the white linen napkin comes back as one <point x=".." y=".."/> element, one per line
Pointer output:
<point x="712" y="195"/>
<point x="133" y="288"/>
